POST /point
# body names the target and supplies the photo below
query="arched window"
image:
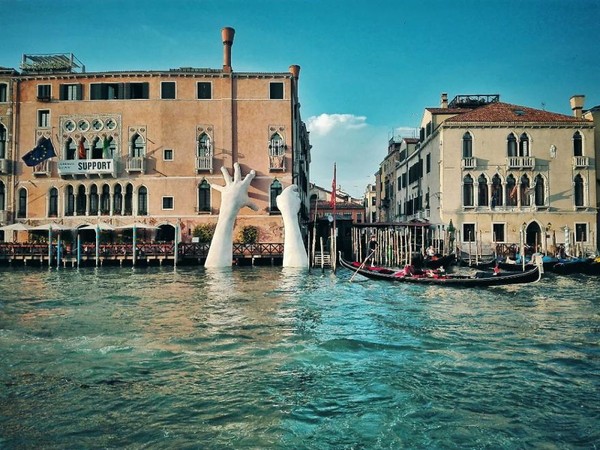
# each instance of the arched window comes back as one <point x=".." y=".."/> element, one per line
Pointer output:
<point x="276" y="152"/>
<point x="497" y="197"/>
<point x="204" y="146"/>
<point x="511" y="145"/>
<point x="2" y="197"/>
<point x="275" y="191"/>
<point x="128" y="200"/>
<point x="2" y="142"/>
<point x="108" y="147"/>
<point x="540" y="191"/>
<point x="94" y="200"/>
<point x="143" y="201"/>
<point x="118" y="200"/>
<point x="53" y="202"/>
<point x="82" y="149"/>
<point x="105" y="200"/>
<point x="578" y="188"/>
<point x="69" y="201"/>
<point x="138" y="146"/>
<point x="577" y="144"/>
<point x="70" y="149"/>
<point x="524" y="145"/>
<point x="525" y="191"/>
<point x="204" y="196"/>
<point x="468" y="191"/>
<point x="467" y="145"/>
<point x="97" y="149"/>
<point x="22" y="206"/>
<point x="482" y="191"/>
<point x="511" y="191"/>
<point x="81" y="204"/>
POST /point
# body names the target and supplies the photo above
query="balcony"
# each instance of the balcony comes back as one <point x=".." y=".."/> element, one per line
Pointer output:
<point x="276" y="155"/>
<point x="469" y="163"/>
<point x="581" y="162"/>
<point x="5" y="166"/>
<point x="520" y="162"/>
<point x="135" y="164"/>
<point x="204" y="164"/>
<point x="43" y="168"/>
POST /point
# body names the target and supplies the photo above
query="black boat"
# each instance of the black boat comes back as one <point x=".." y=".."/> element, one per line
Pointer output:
<point x="437" y="261"/>
<point x="409" y="274"/>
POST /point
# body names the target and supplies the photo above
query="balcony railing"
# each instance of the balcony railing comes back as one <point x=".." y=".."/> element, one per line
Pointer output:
<point x="276" y="155"/>
<point x="43" y="168"/>
<point x="580" y="162"/>
<point x="204" y="164"/>
<point x="521" y="162"/>
<point x="4" y="166"/>
<point x="136" y="164"/>
<point x="469" y="163"/>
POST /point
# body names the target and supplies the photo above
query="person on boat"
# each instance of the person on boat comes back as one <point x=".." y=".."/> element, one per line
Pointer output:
<point x="496" y="269"/>
<point x="372" y="248"/>
<point x="430" y="252"/>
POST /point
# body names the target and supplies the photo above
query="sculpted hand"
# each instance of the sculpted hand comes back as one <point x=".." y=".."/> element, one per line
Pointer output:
<point x="234" y="195"/>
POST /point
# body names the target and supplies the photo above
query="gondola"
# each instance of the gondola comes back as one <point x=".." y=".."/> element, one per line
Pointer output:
<point x="437" y="261"/>
<point x="440" y="278"/>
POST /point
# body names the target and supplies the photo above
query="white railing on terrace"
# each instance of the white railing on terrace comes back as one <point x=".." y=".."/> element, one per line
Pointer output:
<point x="43" y="168"/>
<point x="580" y="161"/>
<point x="204" y="163"/>
<point x="469" y="163"/>
<point x="136" y="164"/>
<point x="521" y="162"/>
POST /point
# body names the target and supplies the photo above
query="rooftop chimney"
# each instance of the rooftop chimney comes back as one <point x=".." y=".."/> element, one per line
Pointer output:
<point x="227" y="34"/>
<point x="577" y="105"/>
<point x="444" y="102"/>
<point x="295" y="71"/>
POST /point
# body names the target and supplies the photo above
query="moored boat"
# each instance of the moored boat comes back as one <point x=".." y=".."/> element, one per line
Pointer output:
<point x="409" y="274"/>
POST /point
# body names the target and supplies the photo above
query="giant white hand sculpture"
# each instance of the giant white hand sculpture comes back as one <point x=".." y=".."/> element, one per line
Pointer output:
<point x="294" y="253"/>
<point x="234" y="196"/>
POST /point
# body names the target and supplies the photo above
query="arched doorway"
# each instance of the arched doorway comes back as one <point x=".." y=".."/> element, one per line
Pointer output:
<point x="165" y="233"/>
<point x="533" y="236"/>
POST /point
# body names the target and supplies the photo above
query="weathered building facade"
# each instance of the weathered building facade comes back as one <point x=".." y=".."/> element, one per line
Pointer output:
<point x="504" y="173"/>
<point x="147" y="145"/>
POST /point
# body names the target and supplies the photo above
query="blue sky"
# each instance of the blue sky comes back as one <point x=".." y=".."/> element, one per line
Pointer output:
<point x="369" y="68"/>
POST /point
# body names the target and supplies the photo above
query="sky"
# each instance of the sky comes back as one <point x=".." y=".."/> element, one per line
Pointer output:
<point x="368" y="68"/>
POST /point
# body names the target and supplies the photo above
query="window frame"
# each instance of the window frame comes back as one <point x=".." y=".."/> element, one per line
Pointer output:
<point x="201" y="93"/>
<point x="164" y="203"/>
<point x="43" y="118"/>
<point x="274" y="93"/>
<point x="168" y="154"/>
<point x="163" y="85"/>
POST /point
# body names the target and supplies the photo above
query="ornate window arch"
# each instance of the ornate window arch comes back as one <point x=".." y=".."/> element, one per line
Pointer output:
<point x="525" y="184"/>
<point x="2" y="142"/>
<point x="468" y="191"/>
<point x="277" y="149"/>
<point x="511" y="190"/>
<point x="482" y="191"/>
<point x="94" y="200"/>
<point x="128" y="200"/>
<point x="81" y="201"/>
<point x="105" y="200"/>
<point x="577" y="144"/>
<point x="137" y="148"/>
<point x="539" y="194"/>
<point x="118" y="199"/>
<point x="22" y="203"/>
<point x="69" y="200"/>
<point x="511" y="145"/>
<point x="274" y="190"/>
<point x="524" y="145"/>
<point x="497" y="194"/>
<point x="467" y="145"/>
<point x="143" y="201"/>
<point x="579" y="190"/>
<point x="53" y="202"/>
<point x="204" y="196"/>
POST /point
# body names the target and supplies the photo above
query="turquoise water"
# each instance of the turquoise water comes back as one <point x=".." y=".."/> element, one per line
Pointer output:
<point x="266" y="358"/>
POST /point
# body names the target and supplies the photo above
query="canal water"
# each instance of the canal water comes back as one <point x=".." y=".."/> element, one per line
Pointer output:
<point x="269" y="358"/>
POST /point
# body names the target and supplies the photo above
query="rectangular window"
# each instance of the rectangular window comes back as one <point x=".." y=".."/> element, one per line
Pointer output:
<point x="3" y="92"/>
<point x="204" y="90"/>
<point x="168" y="154"/>
<point x="498" y="232"/>
<point x="581" y="232"/>
<point x="44" y="92"/>
<point x="276" y="91"/>
<point x="167" y="90"/>
<point x="468" y="232"/>
<point x="428" y="163"/>
<point x="135" y="91"/>
<point x="70" y="92"/>
<point x="43" y="118"/>
<point x="167" y="203"/>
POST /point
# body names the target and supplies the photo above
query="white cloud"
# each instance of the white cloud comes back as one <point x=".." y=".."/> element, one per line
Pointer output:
<point x="326" y="123"/>
<point x="349" y="141"/>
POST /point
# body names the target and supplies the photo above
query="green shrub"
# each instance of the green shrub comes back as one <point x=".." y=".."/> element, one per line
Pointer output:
<point x="204" y="232"/>
<point x="249" y="234"/>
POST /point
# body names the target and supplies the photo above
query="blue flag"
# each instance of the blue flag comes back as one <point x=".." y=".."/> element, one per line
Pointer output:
<point x="42" y="152"/>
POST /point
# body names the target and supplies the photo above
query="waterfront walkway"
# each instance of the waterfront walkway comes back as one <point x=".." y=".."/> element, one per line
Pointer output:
<point x="127" y="255"/>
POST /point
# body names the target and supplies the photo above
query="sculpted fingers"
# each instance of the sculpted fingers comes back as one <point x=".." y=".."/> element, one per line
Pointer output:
<point x="226" y="175"/>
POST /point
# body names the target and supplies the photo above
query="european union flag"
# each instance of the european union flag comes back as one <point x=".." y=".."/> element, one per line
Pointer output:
<point x="42" y="152"/>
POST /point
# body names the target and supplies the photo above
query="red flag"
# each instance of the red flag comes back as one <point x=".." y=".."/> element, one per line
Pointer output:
<point x="81" y="150"/>
<point x="333" y="190"/>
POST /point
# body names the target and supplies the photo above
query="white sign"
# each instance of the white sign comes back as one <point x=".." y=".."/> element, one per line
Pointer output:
<point x="86" y="166"/>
